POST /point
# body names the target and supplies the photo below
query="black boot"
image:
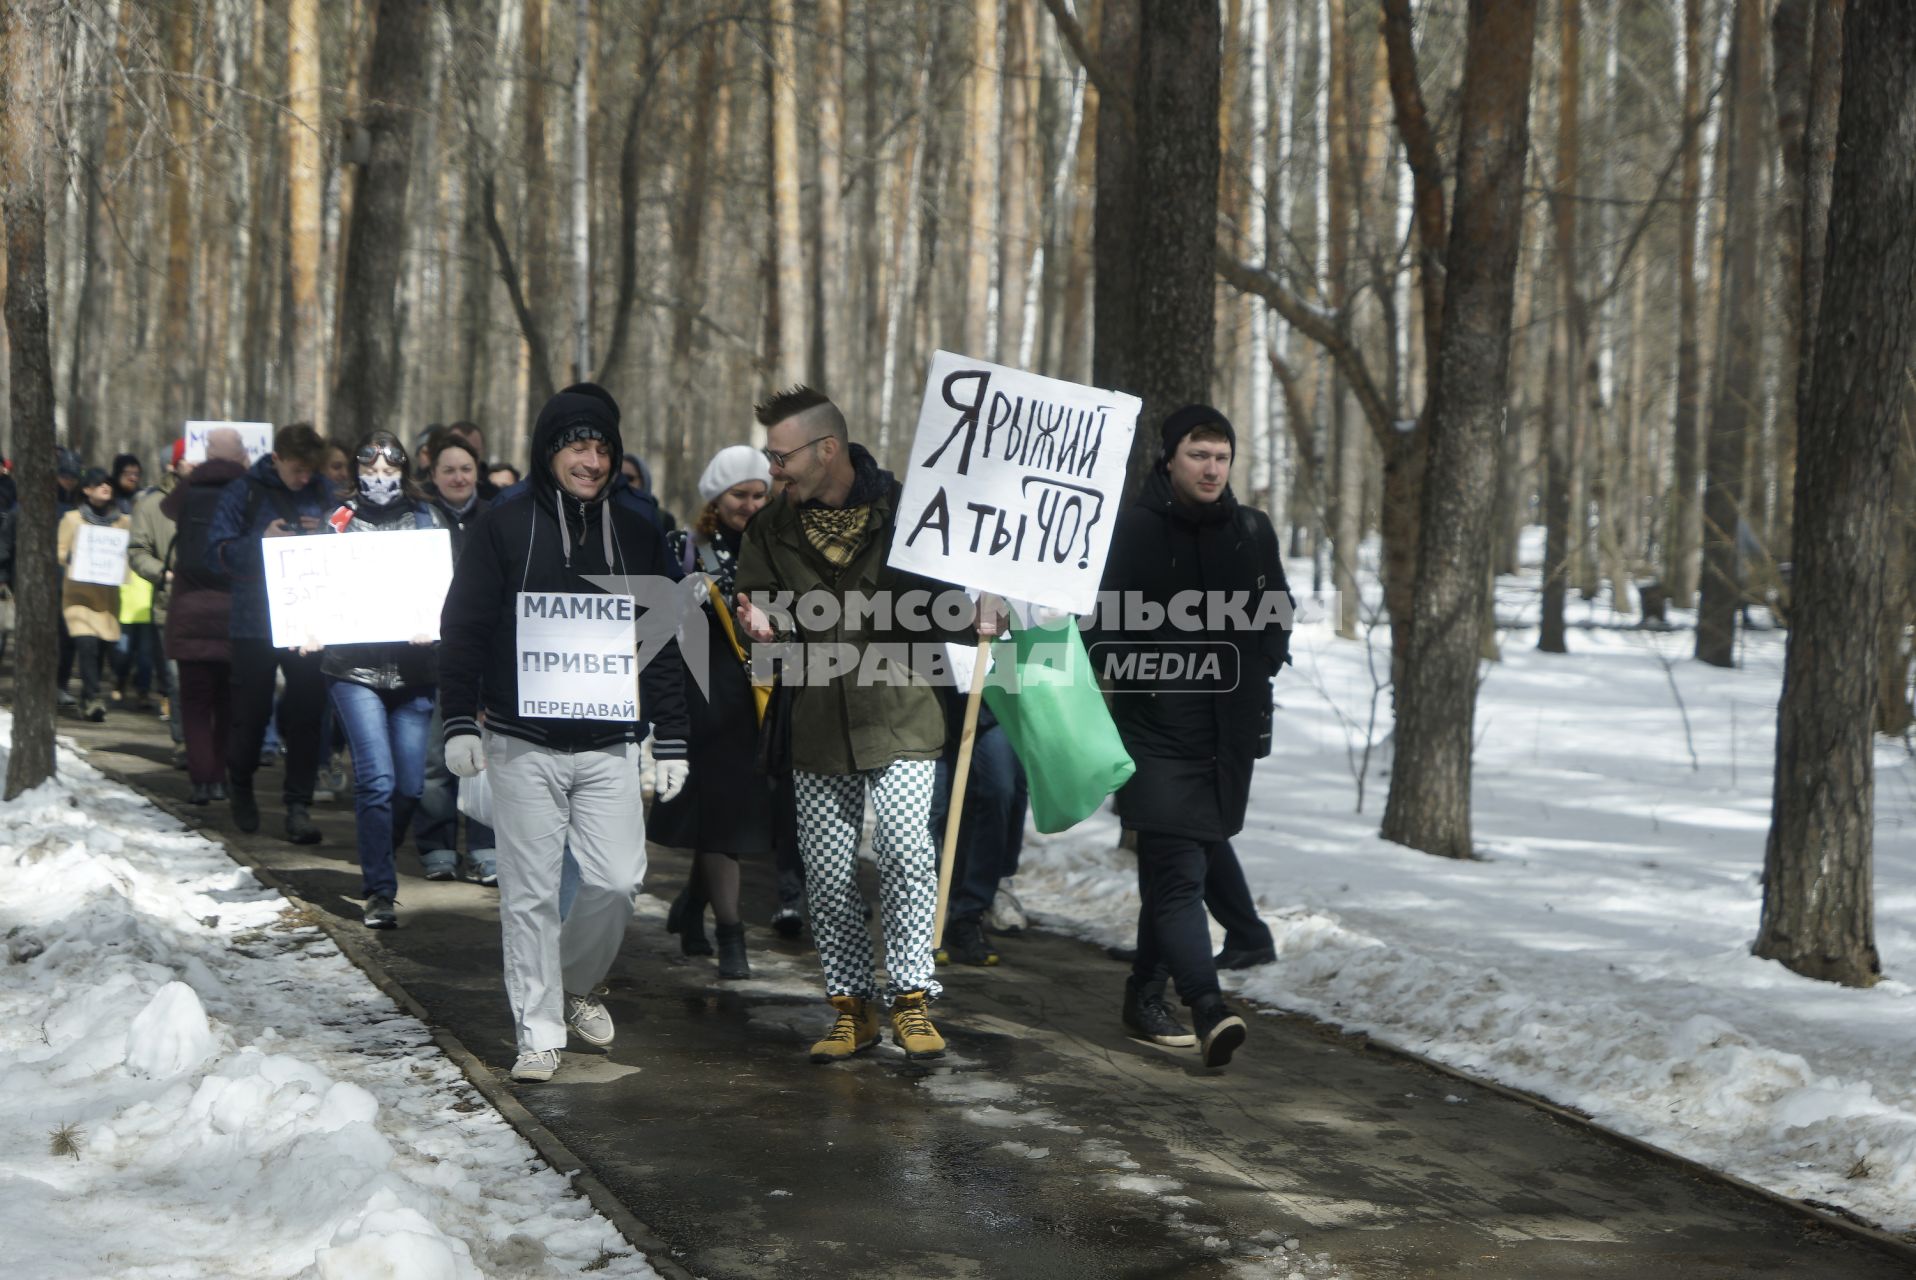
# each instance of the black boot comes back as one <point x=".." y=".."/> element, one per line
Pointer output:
<point x="731" y="952"/>
<point x="1219" y="1031"/>
<point x="687" y="919"/>
<point x="1148" y="1017"/>
<point x="202" y="793"/>
<point x="245" y="806"/>
<point x="299" y="824"/>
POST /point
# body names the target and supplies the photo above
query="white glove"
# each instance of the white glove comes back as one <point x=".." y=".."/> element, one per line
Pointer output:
<point x="465" y="755"/>
<point x="672" y="776"/>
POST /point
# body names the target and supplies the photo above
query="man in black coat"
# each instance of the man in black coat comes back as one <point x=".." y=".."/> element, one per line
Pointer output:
<point x="1194" y="623"/>
<point x="563" y="759"/>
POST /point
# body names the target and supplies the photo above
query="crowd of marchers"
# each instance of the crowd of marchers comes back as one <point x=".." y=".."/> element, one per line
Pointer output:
<point x="721" y="764"/>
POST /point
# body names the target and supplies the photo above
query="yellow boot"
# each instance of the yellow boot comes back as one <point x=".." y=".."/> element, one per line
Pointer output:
<point x="911" y="1028"/>
<point x="855" y="1030"/>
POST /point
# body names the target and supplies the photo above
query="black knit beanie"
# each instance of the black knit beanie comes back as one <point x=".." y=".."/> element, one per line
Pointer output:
<point x="1182" y="422"/>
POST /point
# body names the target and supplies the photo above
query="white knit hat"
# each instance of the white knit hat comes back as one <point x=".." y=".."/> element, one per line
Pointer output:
<point x="734" y="464"/>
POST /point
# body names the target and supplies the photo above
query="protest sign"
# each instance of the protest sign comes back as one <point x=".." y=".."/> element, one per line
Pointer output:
<point x="1014" y="482"/>
<point x="356" y="588"/>
<point x="578" y="656"/>
<point x="256" y="436"/>
<point x="99" y="555"/>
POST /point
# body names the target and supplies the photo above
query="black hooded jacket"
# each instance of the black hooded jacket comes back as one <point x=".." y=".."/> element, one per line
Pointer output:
<point x="537" y="537"/>
<point x="1194" y="739"/>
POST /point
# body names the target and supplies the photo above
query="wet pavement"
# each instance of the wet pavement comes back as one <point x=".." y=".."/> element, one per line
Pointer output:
<point x="1046" y="1143"/>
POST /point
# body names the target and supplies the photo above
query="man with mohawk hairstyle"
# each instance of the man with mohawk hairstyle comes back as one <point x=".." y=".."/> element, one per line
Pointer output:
<point x="830" y="533"/>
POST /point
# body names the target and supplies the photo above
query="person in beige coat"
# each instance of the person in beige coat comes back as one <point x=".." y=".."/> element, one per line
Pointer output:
<point x="91" y="610"/>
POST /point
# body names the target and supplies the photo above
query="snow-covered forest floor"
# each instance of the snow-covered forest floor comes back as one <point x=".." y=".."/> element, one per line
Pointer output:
<point x="1599" y="954"/>
<point x="194" y="1082"/>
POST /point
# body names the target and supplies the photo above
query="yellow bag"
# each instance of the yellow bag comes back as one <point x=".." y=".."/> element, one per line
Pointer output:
<point x="761" y="693"/>
<point x="136" y="599"/>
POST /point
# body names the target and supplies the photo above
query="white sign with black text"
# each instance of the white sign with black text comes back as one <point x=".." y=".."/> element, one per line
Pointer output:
<point x="1014" y="483"/>
<point x="99" y="554"/>
<point x="578" y="656"/>
<point x="356" y="588"/>
<point x="256" y="436"/>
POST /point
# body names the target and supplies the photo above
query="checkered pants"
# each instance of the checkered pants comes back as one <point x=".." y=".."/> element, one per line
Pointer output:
<point x="831" y="811"/>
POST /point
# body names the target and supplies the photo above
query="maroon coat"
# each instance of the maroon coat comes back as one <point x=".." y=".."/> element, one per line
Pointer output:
<point x="198" y="604"/>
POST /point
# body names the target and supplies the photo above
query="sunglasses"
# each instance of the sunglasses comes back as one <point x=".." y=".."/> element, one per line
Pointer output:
<point x="778" y="459"/>
<point x="371" y="453"/>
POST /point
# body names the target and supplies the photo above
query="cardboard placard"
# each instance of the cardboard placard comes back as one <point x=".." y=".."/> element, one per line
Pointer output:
<point x="1014" y="482"/>
<point x="356" y="588"/>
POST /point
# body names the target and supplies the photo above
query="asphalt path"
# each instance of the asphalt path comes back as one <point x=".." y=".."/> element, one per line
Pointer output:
<point x="1047" y="1143"/>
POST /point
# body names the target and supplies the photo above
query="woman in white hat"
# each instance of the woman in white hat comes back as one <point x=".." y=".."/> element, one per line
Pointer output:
<point x="726" y="809"/>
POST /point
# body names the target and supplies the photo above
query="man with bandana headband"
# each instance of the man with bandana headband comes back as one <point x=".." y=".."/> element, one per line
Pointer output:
<point x="558" y="781"/>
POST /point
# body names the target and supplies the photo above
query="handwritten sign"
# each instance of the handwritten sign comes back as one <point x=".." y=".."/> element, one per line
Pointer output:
<point x="356" y="588"/>
<point x="1014" y="482"/>
<point x="578" y="656"/>
<point x="99" y="554"/>
<point x="256" y="436"/>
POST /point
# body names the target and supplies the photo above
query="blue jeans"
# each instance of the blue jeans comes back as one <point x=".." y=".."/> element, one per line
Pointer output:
<point x="991" y="834"/>
<point x="387" y="730"/>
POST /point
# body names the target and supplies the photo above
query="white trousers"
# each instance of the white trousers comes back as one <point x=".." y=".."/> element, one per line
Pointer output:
<point x="541" y="800"/>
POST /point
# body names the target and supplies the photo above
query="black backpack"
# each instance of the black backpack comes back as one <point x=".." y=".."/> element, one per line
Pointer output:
<point x="187" y="557"/>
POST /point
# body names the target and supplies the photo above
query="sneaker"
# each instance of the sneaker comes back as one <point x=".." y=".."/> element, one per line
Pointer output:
<point x="179" y="758"/>
<point x="588" y="1019"/>
<point x="732" y="960"/>
<point x="299" y="824"/>
<point x="202" y="793"/>
<point x="1007" y="914"/>
<point x="1148" y="1016"/>
<point x="965" y="943"/>
<point x="245" y="806"/>
<point x="1231" y="958"/>
<point x="481" y="866"/>
<point x="95" y="710"/>
<point x="853" y="1031"/>
<point x="788" y="921"/>
<point x="64" y="699"/>
<point x="379" y="913"/>
<point x="911" y="1028"/>
<point x="1219" y="1031"/>
<point x="440" y="864"/>
<point x="536" y="1065"/>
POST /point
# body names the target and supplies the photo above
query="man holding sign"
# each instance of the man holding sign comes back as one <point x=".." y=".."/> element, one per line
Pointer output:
<point x="863" y="718"/>
<point x="92" y="544"/>
<point x="531" y="642"/>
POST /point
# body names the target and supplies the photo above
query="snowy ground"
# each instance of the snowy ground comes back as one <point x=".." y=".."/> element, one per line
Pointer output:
<point x="194" y="1082"/>
<point x="1599" y="956"/>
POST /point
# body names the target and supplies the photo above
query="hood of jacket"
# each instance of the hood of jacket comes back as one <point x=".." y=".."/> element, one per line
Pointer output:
<point x="216" y="474"/>
<point x="563" y="411"/>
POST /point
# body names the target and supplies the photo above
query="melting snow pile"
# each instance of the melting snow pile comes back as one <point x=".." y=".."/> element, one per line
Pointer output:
<point x="194" y="1082"/>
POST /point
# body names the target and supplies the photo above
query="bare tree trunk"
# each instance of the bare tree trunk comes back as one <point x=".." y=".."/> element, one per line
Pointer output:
<point x="1429" y="805"/>
<point x="179" y="217"/>
<point x="581" y="193"/>
<point x="1818" y="913"/>
<point x="794" y="347"/>
<point x="1790" y="35"/>
<point x="1019" y="182"/>
<point x="537" y="195"/>
<point x="305" y="395"/>
<point x="1739" y="381"/>
<point x="833" y="331"/>
<point x="26" y="144"/>
<point x="368" y="387"/>
<point x="1349" y="459"/>
<point x="1684" y="537"/>
<point x="1562" y="519"/>
<point x="984" y="107"/>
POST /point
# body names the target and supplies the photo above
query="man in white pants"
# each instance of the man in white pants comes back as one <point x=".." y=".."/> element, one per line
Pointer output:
<point x="531" y="641"/>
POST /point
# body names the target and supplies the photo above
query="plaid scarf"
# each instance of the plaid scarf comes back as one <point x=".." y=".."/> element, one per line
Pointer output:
<point x="837" y="533"/>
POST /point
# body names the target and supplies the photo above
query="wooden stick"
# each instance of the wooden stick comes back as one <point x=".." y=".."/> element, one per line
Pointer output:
<point x="959" y="778"/>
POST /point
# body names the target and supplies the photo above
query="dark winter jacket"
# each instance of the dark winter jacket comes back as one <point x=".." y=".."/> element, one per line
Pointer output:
<point x="391" y="664"/>
<point x="456" y="520"/>
<point x="845" y="725"/>
<point x="246" y="508"/>
<point x="539" y="538"/>
<point x="1194" y="735"/>
<point x="199" y="604"/>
